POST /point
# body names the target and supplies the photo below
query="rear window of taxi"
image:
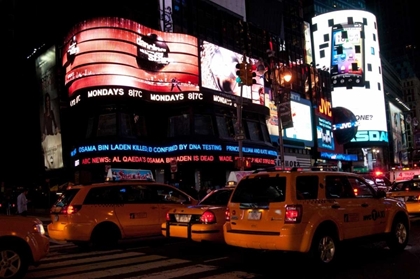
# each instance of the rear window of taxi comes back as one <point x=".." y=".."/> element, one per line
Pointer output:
<point x="264" y="189"/>
<point x="66" y="197"/>
<point x="260" y="190"/>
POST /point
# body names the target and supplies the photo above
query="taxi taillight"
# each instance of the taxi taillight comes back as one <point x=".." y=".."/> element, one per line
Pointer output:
<point x="70" y="209"/>
<point x="208" y="217"/>
<point x="293" y="214"/>
<point x="227" y="214"/>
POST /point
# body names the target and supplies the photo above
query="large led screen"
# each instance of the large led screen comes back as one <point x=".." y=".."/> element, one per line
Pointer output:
<point x="346" y="43"/>
<point x="108" y="55"/>
<point x="347" y="55"/>
<point x="301" y="117"/>
<point x="398" y="135"/>
<point x="218" y="72"/>
<point x="46" y="75"/>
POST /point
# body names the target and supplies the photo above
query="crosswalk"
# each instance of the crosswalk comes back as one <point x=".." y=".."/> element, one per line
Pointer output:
<point x="128" y="264"/>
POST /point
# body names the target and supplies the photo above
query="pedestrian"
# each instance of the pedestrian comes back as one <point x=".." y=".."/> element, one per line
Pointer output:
<point x="22" y="203"/>
<point x="8" y="205"/>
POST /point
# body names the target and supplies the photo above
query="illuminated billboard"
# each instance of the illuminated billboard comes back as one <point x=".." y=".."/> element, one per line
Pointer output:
<point x="114" y="57"/>
<point x="46" y="75"/>
<point x="301" y="117"/>
<point x="346" y="42"/>
<point x="218" y="72"/>
<point x="398" y="135"/>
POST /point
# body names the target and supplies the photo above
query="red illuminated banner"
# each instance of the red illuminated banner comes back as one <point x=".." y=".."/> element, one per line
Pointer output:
<point x="167" y="160"/>
<point x="119" y="52"/>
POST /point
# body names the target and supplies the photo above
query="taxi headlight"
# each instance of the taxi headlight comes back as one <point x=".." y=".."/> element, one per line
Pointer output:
<point x="39" y="228"/>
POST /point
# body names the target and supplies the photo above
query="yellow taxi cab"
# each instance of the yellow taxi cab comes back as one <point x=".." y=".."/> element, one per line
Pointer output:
<point x="407" y="191"/>
<point x="311" y="212"/>
<point x="201" y="222"/>
<point x="130" y="205"/>
<point x="22" y="243"/>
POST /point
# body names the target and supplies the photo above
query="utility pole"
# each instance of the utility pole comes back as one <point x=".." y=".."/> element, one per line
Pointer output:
<point x="241" y="79"/>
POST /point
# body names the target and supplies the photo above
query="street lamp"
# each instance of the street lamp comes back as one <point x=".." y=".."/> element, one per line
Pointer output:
<point x="281" y="75"/>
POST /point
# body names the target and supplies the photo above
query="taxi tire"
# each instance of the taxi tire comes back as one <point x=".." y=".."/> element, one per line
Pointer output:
<point x="105" y="235"/>
<point x="399" y="226"/>
<point x="323" y="239"/>
<point x="22" y="253"/>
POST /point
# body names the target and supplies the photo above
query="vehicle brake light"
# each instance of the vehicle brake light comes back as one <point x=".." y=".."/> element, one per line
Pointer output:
<point x="227" y="214"/>
<point x="70" y="209"/>
<point x="168" y="218"/>
<point x="356" y="192"/>
<point x="293" y="214"/>
<point x="208" y="217"/>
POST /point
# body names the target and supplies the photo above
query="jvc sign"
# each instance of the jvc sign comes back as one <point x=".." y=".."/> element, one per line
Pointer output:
<point x="366" y="136"/>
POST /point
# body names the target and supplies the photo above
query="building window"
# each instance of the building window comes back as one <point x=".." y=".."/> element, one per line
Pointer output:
<point x="254" y="130"/>
<point x="203" y="125"/>
<point x="179" y="125"/>
<point x="89" y="128"/>
<point x="222" y="127"/>
<point x="107" y="125"/>
<point x="126" y="126"/>
<point x="139" y="125"/>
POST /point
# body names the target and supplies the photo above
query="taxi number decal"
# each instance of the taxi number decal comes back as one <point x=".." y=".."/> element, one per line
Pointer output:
<point x="138" y="215"/>
<point x="316" y="201"/>
<point x="352" y="217"/>
<point x="374" y="215"/>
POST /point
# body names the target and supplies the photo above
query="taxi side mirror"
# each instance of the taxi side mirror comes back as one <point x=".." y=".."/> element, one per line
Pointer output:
<point x="380" y="194"/>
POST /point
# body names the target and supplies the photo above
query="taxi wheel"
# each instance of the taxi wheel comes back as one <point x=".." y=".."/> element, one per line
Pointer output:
<point x="13" y="261"/>
<point x="324" y="247"/>
<point x="398" y="237"/>
<point x="105" y="235"/>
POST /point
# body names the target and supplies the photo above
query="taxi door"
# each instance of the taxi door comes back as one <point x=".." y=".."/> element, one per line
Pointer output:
<point x="371" y="208"/>
<point x="138" y="213"/>
<point x="346" y="208"/>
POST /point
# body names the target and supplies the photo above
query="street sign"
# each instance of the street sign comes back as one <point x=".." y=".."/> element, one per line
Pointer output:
<point x="239" y="137"/>
<point x="174" y="166"/>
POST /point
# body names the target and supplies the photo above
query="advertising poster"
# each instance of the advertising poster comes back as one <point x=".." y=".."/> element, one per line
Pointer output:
<point x="218" y="72"/>
<point x="301" y="117"/>
<point x="398" y="137"/>
<point x="301" y="130"/>
<point x="49" y="109"/>
<point x="347" y="55"/>
<point x="105" y="56"/>
<point x="324" y="133"/>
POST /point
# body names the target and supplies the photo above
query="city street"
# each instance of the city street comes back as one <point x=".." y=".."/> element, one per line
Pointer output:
<point x="159" y="258"/>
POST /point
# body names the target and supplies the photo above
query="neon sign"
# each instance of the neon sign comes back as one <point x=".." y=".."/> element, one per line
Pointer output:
<point x="336" y="156"/>
<point x="167" y="160"/>
<point x="370" y="136"/>
<point x="169" y="148"/>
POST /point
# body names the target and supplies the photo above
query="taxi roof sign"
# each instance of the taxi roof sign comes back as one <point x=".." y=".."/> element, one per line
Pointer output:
<point x="129" y="174"/>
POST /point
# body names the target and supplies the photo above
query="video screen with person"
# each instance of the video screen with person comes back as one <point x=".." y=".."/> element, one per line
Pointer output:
<point x="347" y="60"/>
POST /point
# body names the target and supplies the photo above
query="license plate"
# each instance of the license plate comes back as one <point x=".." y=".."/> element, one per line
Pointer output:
<point x="182" y="218"/>
<point x="254" y="215"/>
<point x="56" y="218"/>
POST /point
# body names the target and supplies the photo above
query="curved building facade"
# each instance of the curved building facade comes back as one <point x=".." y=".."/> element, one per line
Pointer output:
<point x="346" y="43"/>
<point x="143" y="98"/>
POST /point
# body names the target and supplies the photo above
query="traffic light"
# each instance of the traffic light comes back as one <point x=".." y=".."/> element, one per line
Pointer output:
<point x="250" y="75"/>
<point x="245" y="163"/>
<point x="241" y="73"/>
